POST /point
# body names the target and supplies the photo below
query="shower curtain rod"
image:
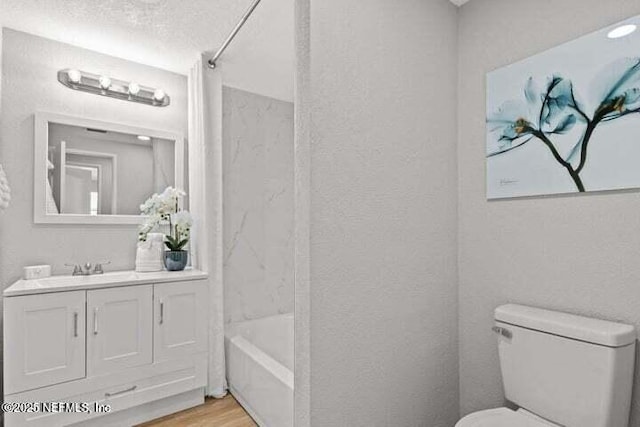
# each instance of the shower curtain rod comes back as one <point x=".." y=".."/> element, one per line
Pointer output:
<point x="212" y="61"/>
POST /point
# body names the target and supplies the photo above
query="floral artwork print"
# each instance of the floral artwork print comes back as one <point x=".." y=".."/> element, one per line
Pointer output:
<point x="560" y="122"/>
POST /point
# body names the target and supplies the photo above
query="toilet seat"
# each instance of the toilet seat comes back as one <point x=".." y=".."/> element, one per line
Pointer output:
<point x="502" y="417"/>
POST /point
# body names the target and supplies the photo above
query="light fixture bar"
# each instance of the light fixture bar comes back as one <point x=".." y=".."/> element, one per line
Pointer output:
<point x="114" y="88"/>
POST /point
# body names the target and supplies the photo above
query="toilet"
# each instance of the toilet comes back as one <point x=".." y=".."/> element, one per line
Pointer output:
<point x="561" y="370"/>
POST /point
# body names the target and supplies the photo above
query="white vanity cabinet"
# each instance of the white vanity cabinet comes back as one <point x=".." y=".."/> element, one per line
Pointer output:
<point x="134" y="341"/>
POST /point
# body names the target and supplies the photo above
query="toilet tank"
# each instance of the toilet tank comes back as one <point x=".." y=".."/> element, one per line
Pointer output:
<point x="571" y="370"/>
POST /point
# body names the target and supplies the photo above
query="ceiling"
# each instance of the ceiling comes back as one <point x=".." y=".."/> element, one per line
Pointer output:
<point x="171" y="34"/>
<point x="168" y="34"/>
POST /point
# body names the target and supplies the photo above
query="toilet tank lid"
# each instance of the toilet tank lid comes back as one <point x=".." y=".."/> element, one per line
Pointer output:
<point x="595" y="331"/>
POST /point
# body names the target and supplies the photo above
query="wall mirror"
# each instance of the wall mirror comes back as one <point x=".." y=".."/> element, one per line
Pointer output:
<point x="94" y="172"/>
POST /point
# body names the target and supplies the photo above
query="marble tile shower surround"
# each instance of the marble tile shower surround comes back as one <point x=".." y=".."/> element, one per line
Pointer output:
<point x="258" y="205"/>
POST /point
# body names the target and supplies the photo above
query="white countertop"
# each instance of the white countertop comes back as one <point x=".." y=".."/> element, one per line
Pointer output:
<point x="106" y="280"/>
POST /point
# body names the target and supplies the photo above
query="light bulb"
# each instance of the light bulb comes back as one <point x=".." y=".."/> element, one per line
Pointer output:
<point x="105" y="82"/>
<point x="159" y="94"/>
<point x="622" y="31"/>
<point x="74" y="76"/>
<point x="134" y="88"/>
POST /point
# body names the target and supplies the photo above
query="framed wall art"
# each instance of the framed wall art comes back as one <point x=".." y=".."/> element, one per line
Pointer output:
<point x="567" y="120"/>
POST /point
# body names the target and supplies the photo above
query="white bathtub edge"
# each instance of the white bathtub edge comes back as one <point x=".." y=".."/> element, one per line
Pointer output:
<point x="281" y="373"/>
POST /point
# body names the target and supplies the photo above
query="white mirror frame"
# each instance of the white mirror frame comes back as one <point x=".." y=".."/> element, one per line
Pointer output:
<point x="41" y="142"/>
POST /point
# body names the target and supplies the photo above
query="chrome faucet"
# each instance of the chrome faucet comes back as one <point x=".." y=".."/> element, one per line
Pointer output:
<point x="87" y="269"/>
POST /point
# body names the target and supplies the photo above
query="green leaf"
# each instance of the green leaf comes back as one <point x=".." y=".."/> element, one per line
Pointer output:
<point x="182" y="243"/>
<point x="176" y="246"/>
<point x="175" y="243"/>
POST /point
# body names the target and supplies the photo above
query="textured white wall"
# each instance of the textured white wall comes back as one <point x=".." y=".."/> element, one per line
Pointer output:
<point x="29" y="84"/>
<point x="573" y="253"/>
<point x="302" y="209"/>
<point x="257" y="148"/>
<point x="383" y="178"/>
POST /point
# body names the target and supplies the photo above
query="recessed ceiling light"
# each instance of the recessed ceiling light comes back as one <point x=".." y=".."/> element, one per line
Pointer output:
<point x="622" y="31"/>
<point x="144" y="138"/>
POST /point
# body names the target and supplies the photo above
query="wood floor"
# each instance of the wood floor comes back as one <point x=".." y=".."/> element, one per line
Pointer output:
<point x="225" y="412"/>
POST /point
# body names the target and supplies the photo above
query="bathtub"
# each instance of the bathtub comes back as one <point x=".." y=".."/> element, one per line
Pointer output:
<point x="259" y="357"/>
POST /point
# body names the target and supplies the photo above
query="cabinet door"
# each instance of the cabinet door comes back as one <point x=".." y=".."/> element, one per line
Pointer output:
<point x="180" y="319"/>
<point x="44" y="338"/>
<point x="119" y="331"/>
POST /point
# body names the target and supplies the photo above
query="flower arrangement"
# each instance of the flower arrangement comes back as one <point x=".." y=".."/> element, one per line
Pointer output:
<point x="164" y="209"/>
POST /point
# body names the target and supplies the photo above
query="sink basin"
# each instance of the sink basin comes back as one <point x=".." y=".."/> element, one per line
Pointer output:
<point x="96" y="279"/>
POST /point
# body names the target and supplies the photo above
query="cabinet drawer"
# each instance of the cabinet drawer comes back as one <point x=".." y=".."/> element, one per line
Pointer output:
<point x="44" y="340"/>
<point x="121" y="397"/>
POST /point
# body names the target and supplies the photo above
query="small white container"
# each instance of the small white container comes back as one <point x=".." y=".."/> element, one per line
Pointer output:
<point x="149" y="254"/>
<point x="36" y="272"/>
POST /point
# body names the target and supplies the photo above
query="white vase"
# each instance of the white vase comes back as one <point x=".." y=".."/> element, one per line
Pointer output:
<point x="149" y="255"/>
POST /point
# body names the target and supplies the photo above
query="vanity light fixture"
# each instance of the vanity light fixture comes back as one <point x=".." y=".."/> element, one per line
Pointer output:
<point x="159" y="94"/>
<point x="622" y="31"/>
<point x="105" y="82"/>
<point x="144" y="138"/>
<point x="134" y="88"/>
<point x="74" y="76"/>
<point x="114" y="88"/>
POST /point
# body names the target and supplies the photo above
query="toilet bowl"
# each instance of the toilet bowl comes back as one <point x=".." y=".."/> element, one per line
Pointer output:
<point x="503" y="417"/>
<point x="567" y="370"/>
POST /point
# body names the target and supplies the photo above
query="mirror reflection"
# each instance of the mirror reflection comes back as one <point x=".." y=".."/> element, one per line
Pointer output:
<point x="87" y="167"/>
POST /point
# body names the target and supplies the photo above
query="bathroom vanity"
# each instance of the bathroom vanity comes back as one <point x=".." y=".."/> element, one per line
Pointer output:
<point x="134" y="341"/>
